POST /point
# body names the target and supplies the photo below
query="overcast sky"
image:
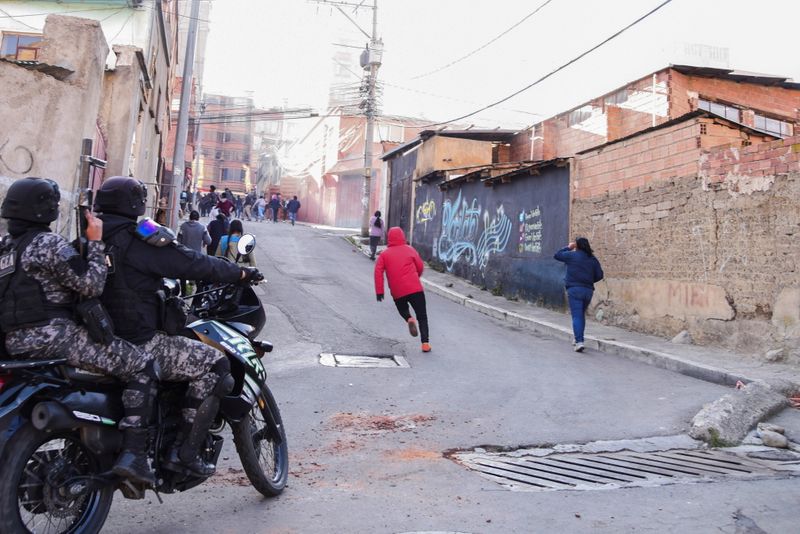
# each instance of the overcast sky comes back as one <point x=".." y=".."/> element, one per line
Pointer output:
<point x="282" y="50"/>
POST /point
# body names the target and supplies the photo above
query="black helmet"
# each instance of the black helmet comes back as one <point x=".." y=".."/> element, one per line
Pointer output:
<point x="32" y="199"/>
<point x="121" y="195"/>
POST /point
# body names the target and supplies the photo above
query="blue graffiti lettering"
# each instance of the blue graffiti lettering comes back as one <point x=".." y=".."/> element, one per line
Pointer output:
<point x="460" y="223"/>
<point x="460" y="239"/>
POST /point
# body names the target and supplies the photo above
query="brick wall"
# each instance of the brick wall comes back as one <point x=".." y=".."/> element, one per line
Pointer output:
<point x="684" y="90"/>
<point x="713" y="252"/>
<point x="634" y="107"/>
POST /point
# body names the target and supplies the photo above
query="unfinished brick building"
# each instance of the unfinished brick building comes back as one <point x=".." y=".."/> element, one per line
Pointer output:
<point x="686" y="182"/>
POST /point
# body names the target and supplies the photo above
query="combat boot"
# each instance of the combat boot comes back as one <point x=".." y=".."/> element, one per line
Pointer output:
<point x="138" y="400"/>
<point x="191" y="462"/>
<point x="132" y="463"/>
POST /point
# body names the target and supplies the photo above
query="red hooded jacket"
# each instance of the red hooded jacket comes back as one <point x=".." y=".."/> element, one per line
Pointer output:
<point x="402" y="264"/>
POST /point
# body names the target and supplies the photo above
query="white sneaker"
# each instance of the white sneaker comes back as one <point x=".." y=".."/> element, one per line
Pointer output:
<point x="578" y="347"/>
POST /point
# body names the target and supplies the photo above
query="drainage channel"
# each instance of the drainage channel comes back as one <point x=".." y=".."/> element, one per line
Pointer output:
<point x="619" y="469"/>
<point x="330" y="359"/>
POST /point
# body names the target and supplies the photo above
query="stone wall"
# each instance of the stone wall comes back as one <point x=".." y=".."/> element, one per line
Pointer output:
<point x="46" y="114"/>
<point x="714" y="252"/>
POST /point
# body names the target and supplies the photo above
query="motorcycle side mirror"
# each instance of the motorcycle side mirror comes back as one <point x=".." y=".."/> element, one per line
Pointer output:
<point x="246" y="244"/>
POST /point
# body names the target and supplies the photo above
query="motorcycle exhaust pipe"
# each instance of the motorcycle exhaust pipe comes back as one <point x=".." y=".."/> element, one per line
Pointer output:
<point x="52" y="416"/>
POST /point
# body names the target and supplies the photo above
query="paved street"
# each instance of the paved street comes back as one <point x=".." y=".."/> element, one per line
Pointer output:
<point x="366" y="445"/>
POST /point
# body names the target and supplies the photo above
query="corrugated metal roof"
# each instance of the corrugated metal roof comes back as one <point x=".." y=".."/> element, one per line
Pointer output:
<point x="59" y="73"/>
<point x="738" y="76"/>
<point x="477" y="135"/>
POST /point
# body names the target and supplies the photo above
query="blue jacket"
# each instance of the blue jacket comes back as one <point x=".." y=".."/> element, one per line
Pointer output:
<point x="582" y="270"/>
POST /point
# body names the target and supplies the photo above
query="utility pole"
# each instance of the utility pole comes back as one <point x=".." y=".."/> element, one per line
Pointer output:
<point x="178" y="159"/>
<point x="370" y="60"/>
<point x="374" y="52"/>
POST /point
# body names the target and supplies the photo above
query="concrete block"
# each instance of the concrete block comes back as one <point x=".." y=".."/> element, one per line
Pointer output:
<point x="726" y="421"/>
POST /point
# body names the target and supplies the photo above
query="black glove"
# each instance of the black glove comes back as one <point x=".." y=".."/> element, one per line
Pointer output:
<point x="379" y="296"/>
<point x="251" y="275"/>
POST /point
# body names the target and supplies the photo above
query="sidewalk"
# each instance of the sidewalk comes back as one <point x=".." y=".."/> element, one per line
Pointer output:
<point x="706" y="363"/>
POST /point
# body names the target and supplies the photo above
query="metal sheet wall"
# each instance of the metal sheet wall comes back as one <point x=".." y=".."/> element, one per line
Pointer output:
<point x="401" y="173"/>
<point x="502" y="237"/>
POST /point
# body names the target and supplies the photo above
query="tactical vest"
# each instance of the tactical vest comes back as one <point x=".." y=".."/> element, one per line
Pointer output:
<point x="130" y="310"/>
<point x="24" y="304"/>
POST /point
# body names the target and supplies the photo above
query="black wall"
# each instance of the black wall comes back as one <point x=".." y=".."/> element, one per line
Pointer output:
<point x="502" y="237"/>
<point x="401" y="172"/>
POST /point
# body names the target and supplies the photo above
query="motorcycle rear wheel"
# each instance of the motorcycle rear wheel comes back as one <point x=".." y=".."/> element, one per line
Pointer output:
<point x="264" y="455"/>
<point x="30" y="500"/>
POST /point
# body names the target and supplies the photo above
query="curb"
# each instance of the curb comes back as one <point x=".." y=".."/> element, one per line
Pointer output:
<point x="652" y="357"/>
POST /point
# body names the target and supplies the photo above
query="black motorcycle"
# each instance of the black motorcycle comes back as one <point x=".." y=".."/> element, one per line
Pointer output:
<point x="58" y="424"/>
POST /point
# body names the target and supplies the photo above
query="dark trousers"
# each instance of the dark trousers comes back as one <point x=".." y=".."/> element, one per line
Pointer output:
<point x="374" y="241"/>
<point x="417" y="301"/>
<point x="579" y="300"/>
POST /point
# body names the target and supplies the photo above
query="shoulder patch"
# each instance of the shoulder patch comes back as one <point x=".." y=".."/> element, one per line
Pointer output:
<point x="7" y="263"/>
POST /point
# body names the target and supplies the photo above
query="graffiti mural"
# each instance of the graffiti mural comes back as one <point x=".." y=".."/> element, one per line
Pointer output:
<point x="501" y="238"/>
<point x="530" y="231"/>
<point x="459" y="231"/>
<point x="426" y="212"/>
<point x="494" y="237"/>
<point x="461" y="239"/>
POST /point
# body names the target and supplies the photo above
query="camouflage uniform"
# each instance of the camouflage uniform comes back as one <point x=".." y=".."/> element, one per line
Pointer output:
<point x="186" y="360"/>
<point x="55" y="264"/>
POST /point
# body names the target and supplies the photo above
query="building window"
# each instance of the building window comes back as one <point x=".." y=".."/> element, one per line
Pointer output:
<point x="579" y="115"/>
<point x="729" y="112"/>
<point x="390" y="132"/>
<point x="617" y="98"/>
<point x="773" y="126"/>
<point x="227" y="137"/>
<point x="243" y="175"/>
<point x="20" y="46"/>
<point x="218" y="154"/>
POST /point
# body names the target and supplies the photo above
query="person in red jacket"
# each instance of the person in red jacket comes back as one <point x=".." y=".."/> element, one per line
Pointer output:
<point x="403" y="268"/>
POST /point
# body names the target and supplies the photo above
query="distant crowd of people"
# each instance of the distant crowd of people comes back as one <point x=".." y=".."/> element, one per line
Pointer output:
<point x="227" y="210"/>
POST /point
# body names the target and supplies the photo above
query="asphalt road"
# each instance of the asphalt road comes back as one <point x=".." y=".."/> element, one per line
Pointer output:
<point x="367" y="446"/>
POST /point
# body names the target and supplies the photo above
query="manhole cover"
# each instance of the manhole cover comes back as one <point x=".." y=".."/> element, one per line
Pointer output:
<point x="617" y="469"/>
<point x="362" y="360"/>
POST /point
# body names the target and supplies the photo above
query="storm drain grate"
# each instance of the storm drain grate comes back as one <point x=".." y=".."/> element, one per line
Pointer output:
<point x="362" y="360"/>
<point x="613" y="469"/>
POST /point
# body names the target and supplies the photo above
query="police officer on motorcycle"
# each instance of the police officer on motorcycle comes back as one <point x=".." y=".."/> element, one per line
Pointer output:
<point x="139" y="257"/>
<point x="42" y="278"/>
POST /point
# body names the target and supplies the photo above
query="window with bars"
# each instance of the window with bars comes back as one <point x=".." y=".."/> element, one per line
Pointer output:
<point x="20" y="46"/>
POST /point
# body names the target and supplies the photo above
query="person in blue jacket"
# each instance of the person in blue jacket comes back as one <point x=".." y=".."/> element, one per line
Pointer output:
<point x="583" y="271"/>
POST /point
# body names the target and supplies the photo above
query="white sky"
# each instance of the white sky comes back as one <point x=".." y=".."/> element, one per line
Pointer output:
<point x="282" y="50"/>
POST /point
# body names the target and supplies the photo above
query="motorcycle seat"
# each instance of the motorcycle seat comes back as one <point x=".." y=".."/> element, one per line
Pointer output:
<point x="82" y="375"/>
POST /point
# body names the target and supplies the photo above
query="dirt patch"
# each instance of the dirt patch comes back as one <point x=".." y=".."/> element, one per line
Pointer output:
<point x="368" y="424"/>
<point x="231" y="476"/>
<point x="342" y="445"/>
<point x="412" y="454"/>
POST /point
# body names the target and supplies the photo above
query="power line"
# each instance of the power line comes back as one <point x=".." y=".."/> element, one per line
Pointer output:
<point x="462" y="58"/>
<point x="551" y="73"/>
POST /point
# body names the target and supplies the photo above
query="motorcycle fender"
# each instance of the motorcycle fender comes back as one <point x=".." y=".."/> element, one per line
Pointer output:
<point x="14" y="409"/>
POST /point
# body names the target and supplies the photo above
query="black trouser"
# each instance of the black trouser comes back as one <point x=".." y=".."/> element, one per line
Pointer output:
<point x="417" y="301"/>
<point x="374" y="241"/>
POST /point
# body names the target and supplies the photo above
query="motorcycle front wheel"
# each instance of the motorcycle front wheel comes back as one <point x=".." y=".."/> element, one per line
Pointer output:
<point x="262" y="449"/>
<point x="33" y="496"/>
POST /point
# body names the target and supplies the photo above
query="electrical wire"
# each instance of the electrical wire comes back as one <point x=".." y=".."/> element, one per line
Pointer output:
<point x="13" y="17"/>
<point x="121" y="28"/>
<point x="555" y="71"/>
<point x="472" y="53"/>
